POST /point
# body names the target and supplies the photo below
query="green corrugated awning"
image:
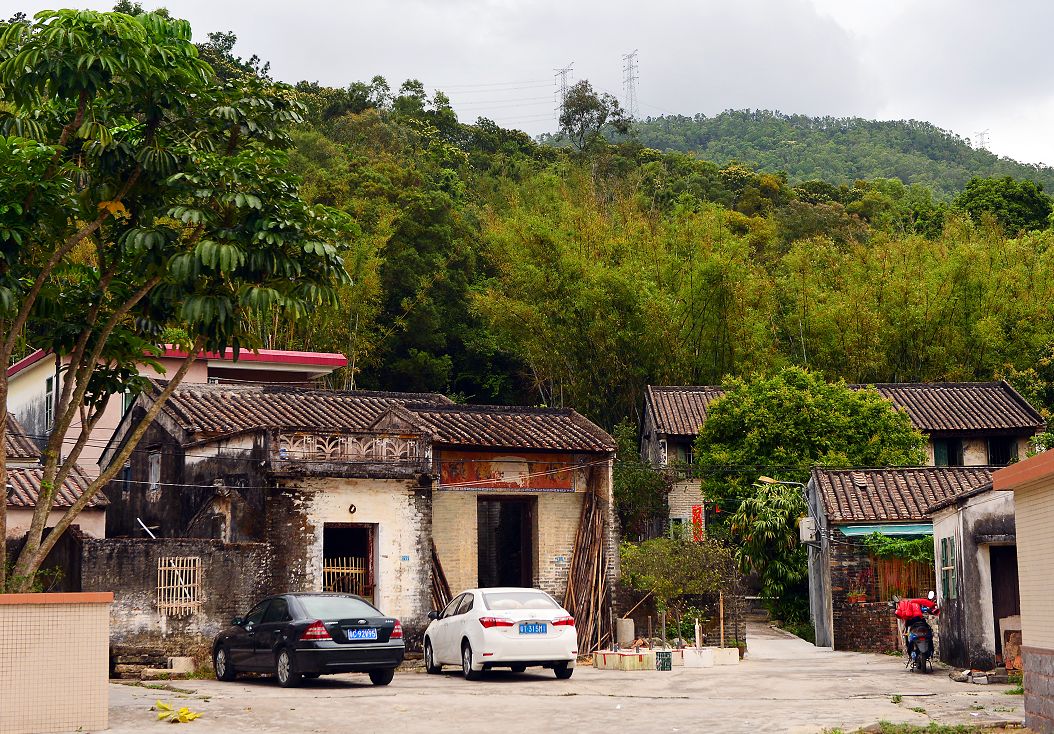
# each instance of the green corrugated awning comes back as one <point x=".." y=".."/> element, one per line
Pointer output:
<point x="922" y="528"/>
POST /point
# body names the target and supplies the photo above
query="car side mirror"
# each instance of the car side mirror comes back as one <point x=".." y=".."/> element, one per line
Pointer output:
<point x="237" y="621"/>
<point x="433" y="614"/>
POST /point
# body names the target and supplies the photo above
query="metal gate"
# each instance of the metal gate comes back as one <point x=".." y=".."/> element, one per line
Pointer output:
<point x="349" y="575"/>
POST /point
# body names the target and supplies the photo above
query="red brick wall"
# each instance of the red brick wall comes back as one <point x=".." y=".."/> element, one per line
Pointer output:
<point x="864" y="624"/>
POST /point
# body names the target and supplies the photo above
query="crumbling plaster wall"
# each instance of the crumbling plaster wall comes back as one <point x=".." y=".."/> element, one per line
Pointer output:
<point x="967" y="633"/>
<point x="402" y="513"/>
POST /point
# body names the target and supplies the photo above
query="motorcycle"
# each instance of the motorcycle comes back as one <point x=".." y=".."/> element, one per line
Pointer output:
<point x="918" y="635"/>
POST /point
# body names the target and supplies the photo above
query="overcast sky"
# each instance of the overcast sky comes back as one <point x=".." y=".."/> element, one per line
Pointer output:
<point x="964" y="65"/>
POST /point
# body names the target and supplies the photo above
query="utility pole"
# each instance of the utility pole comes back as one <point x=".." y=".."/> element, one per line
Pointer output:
<point x="563" y="79"/>
<point x="629" y="82"/>
<point x="982" y="139"/>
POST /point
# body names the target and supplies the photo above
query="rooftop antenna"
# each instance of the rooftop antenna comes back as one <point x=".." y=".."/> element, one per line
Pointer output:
<point x="982" y="139"/>
<point x="629" y="82"/>
<point x="563" y="79"/>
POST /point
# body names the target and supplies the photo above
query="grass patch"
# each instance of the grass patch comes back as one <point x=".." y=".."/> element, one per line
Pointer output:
<point x="918" y="709"/>
<point x="1015" y="691"/>
<point x="886" y="727"/>
<point x="896" y="698"/>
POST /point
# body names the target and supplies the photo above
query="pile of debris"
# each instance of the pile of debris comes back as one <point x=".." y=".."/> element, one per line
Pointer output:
<point x="980" y="677"/>
<point x="132" y="662"/>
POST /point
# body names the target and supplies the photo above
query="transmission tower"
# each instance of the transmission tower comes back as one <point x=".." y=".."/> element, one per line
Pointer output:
<point x="629" y="82"/>
<point x="563" y="79"/>
<point x="982" y="139"/>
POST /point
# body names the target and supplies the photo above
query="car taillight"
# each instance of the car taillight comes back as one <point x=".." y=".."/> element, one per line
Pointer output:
<point x="489" y="622"/>
<point x="397" y="633"/>
<point x="564" y="622"/>
<point x="315" y="631"/>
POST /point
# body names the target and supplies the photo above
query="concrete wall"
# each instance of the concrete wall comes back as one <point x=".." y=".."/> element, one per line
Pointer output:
<point x="54" y="662"/>
<point x="402" y="513"/>
<point x="234" y="577"/>
<point x="92" y="522"/>
<point x="968" y="637"/>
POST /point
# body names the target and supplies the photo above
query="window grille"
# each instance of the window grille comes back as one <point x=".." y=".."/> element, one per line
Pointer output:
<point x="154" y="469"/>
<point x="49" y="404"/>
<point x="179" y="585"/>
<point x="948" y="590"/>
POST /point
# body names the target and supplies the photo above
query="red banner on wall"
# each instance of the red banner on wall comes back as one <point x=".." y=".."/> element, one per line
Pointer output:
<point x="698" y="525"/>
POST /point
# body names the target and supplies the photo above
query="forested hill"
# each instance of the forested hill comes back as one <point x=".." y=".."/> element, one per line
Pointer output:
<point x="836" y="149"/>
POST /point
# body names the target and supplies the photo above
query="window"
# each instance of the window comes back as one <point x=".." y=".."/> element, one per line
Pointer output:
<point x="466" y="605"/>
<point x="1001" y="450"/>
<point x="451" y="609"/>
<point x="948" y="452"/>
<point x="948" y="588"/>
<point x="257" y="614"/>
<point x="153" y="461"/>
<point x="335" y="606"/>
<point x="504" y="600"/>
<point x="127" y="400"/>
<point x="49" y="404"/>
<point x="179" y="585"/>
<point x="277" y="612"/>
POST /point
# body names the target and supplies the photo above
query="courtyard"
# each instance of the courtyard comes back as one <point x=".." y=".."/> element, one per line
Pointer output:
<point x="784" y="685"/>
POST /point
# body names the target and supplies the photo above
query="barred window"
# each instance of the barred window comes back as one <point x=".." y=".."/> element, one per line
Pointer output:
<point x="179" y="585"/>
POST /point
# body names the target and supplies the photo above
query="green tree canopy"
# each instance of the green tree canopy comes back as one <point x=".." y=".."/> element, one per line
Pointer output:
<point x="140" y="193"/>
<point x="1018" y="205"/>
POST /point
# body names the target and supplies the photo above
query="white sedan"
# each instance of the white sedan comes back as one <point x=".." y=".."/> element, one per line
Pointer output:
<point x="501" y="628"/>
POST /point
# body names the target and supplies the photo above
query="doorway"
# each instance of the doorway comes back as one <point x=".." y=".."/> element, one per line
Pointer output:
<point x="505" y="541"/>
<point x="348" y="558"/>
<point x="1006" y="597"/>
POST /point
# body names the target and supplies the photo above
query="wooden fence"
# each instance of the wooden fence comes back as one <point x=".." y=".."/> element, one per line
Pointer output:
<point x="901" y="578"/>
<point x="349" y="575"/>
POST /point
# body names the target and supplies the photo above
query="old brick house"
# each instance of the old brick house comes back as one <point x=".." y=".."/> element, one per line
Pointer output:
<point x="965" y="423"/>
<point x="848" y="587"/>
<point x="975" y="554"/>
<point x="369" y="492"/>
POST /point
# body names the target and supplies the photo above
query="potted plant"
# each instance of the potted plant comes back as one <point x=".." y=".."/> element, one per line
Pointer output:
<point x="856" y="596"/>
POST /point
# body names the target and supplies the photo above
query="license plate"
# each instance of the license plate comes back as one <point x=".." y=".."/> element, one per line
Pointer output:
<point x="533" y="629"/>
<point x="361" y="633"/>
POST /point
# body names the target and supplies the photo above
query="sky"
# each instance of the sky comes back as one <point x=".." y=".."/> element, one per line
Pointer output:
<point x="964" y="65"/>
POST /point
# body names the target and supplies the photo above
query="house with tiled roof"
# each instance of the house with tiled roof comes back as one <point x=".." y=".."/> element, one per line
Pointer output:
<point x="24" y="476"/>
<point x="849" y="586"/>
<point x="401" y="497"/>
<point x="965" y="423"/>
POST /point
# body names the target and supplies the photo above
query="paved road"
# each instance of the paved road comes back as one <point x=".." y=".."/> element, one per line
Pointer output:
<point x="785" y="685"/>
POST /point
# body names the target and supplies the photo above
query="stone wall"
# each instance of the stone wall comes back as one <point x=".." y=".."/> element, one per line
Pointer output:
<point x="865" y="624"/>
<point x="233" y="577"/>
<point x="683" y="495"/>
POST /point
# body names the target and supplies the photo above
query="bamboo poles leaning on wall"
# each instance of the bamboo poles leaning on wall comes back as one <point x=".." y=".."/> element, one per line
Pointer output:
<point x="441" y="594"/>
<point x="588" y="596"/>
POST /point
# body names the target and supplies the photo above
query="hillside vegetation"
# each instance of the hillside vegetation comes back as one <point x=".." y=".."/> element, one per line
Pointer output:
<point x="835" y="149"/>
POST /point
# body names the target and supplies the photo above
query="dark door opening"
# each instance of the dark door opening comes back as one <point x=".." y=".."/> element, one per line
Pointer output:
<point x="348" y="558"/>
<point x="1006" y="598"/>
<point x="505" y="535"/>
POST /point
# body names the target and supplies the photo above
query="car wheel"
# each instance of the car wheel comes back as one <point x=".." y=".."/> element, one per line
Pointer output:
<point x="430" y="660"/>
<point x="221" y="663"/>
<point x="519" y="668"/>
<point x="466" y="662"/>
<point x="285" y="671"/>
<point x="563" y="671"/>
<point x="382" y="677"/>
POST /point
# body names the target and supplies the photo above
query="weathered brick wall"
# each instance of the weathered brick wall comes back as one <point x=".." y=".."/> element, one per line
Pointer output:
<point x="866" y="625"/>
<point x="234" y="576"/>
<point x="1039" y="689"/>
<point x="558" y="516"/>
<point x="455" y="537"/>
<point x="682" y="496"/>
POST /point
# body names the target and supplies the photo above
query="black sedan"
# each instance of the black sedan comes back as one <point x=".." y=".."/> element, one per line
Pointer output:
<point x="297" y="636"/>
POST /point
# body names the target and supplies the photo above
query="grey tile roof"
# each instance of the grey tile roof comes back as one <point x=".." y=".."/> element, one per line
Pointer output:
<point x="20" y="446"/>
<point x="934" y="407"/>
<point x="893" y="495"/>
<point x="25" y="483"/>
<point x="205" y="410"/>
<point x="680" y="410"/>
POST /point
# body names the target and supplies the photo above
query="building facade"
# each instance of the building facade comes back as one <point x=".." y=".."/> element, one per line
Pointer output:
<point x="1032" y="482"/>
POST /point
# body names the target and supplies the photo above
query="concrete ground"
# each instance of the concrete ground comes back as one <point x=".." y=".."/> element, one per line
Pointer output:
<point x="784" y="685"/>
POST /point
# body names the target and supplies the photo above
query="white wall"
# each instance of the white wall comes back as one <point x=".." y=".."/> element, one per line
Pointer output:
<point x="91" y="522"/>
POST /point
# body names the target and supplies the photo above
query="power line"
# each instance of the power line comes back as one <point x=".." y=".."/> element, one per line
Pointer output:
<point x="489" y="84"/>
<point x="982" y="139"/>
<point x="563" y="77"/>
<point x="629" y="82"/>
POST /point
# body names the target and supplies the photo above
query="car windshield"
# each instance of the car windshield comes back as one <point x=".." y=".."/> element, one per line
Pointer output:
<point x="504" y="600"/>
<point x="337" y="607"/>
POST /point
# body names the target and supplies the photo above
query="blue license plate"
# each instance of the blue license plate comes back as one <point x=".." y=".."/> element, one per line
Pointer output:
<point x="533" y="629"/>
<point x="361" y="633"/>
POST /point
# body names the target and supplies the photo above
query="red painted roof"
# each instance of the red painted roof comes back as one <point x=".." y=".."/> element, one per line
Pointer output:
<point x="283" y="356"/>
<point x="332" y="360"/>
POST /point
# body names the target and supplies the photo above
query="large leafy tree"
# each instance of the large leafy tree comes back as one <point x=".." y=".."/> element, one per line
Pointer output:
<point x="1018" y="205"/>
<point x="140" y="194"/>
<point x="780" y="427"/>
